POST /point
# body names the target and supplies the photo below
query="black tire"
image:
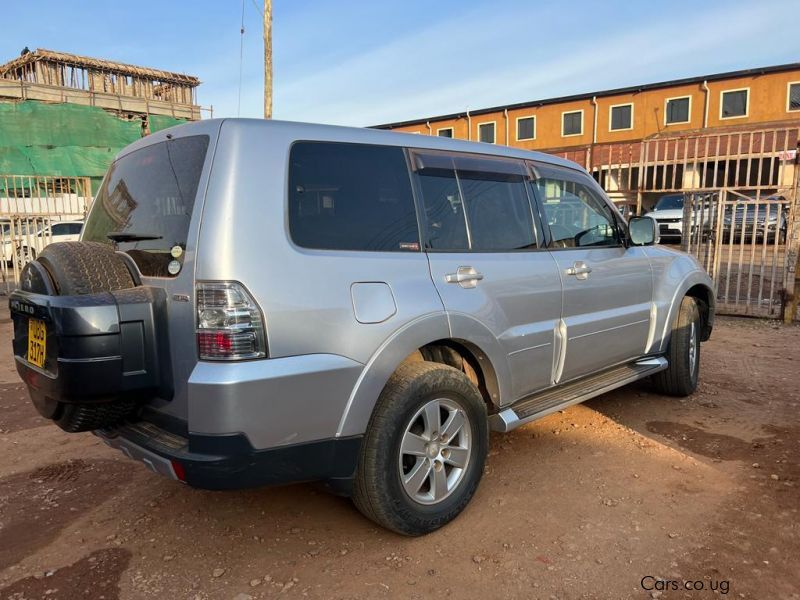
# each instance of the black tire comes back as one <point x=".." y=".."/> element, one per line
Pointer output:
<point x="378" y="491"/>
<point x="680" y="378"/>
<point x="79" y="268"/>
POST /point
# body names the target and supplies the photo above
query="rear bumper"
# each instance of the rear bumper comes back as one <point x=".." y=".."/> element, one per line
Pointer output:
<point x="230" y="462"/>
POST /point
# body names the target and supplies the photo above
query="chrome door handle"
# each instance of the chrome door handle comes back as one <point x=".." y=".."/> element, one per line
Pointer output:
<point x="466" y="277"/>
<point x="580" y="270"/>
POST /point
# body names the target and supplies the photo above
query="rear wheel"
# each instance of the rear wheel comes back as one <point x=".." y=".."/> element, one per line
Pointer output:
<point x="424" y="451"/>
<point x="683" y="353"/>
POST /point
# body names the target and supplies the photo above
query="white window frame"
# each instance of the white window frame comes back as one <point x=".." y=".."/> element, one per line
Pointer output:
<point x="689" y="115"/>
<point x="746" y="105"/>
<point x="452" y="131"/>
<point x="611" y="112"/>
<point x="569" y="112"/>
<point x="788" y="97"/>
<point x="516" y="128"/>
<point x="494" y="123"/>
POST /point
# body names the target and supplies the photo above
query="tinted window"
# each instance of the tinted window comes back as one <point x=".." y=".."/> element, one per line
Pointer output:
<point x="794" y="96"/>
<point x="572" y="123"/>
<point x="525" y="128"/>
<point x="74" y="228"/>
<point x="486" y="132"/>
<point x="486" y="196"/>
<point x="445" y="224"/>
<point x="621" y="117"/>
<point x="670" y="202"/>
<point x="734" y="104"/>
<point x="678" y="110"/>
<point x="445" y="132"/>
<point x="146" y="201"/>
<point x="576" y="213"/>
<point x="60" y="229"/>
<point x="351" y="197"/>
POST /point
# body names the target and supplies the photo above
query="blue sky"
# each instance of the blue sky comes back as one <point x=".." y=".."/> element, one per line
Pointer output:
<point x="363" y="63"/>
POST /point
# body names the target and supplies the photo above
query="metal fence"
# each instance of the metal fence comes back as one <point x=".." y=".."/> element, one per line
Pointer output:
<point x="35" y="211"/>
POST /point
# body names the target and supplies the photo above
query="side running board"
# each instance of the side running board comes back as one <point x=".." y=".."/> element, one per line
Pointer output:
<point x="554" y="399"/>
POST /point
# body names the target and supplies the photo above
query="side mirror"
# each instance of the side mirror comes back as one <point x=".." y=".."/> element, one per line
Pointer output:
<point x="643" y="231"/>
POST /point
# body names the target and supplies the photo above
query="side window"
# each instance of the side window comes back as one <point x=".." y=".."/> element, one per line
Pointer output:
<point x="75" y="228"/>
<point x="351" y="197"/>
<point x="576" y="213"/>
<point x="59" y="229"/>
<point x="475" y="203"/>
<point x="445" y="223"/>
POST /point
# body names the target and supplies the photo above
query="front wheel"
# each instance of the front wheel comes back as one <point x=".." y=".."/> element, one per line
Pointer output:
<point x="424" y="451"/>
<point x="680" y="377"/>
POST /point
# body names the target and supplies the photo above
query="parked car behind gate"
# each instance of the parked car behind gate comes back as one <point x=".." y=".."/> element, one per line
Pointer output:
<point x="30" y="237"/>
<point x="353" y="306"/>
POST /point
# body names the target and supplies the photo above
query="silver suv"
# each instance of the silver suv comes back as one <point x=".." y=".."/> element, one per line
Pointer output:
<point x="258" y="302"/>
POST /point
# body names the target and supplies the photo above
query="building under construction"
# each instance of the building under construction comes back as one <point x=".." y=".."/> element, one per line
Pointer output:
<point x="65" y="116"/>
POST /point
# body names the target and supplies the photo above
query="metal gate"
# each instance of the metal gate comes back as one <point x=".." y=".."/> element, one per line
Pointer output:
<point x="747" y="241"/>
<point x="32" y="212"/>
<point x="735" y="184"/>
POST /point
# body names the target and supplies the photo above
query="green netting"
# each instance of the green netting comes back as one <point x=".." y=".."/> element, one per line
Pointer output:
<point x="159" y="122"/>
<point x="60" y="125"/>
<point x="65" y="140"/>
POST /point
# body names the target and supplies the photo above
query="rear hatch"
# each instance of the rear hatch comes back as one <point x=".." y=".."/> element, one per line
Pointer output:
<point x="149" y="207"/>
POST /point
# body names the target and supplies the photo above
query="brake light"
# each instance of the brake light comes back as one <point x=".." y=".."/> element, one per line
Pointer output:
<point x="229" y="323"/>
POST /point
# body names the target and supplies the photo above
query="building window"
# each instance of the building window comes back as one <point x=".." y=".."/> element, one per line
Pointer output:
<point x="677" y="110"/>
<point x="526" y="128"/>
<point x="621" y="117"/>
<point x="486" y="132"/>
<point x="734" y="104"/>
<point x="445" y="132"/>
<point x="794" y="96"/>
<point x="572" y="123"/>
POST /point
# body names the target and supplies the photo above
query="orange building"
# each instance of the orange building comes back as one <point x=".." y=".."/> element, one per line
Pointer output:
<point x="769" y="95"/>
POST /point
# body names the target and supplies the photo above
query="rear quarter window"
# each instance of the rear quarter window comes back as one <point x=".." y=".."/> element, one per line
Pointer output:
<point x="351" y="197"/>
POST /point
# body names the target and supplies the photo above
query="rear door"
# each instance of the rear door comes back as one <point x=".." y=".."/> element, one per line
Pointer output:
<point x="607" y="287"/>
<point x="485" y="251"/>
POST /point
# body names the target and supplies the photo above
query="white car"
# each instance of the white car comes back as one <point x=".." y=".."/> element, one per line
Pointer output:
<point x="28" y="246"/>
<point x="668" y="214"/>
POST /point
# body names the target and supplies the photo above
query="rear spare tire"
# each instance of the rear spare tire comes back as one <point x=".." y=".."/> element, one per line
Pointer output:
<point x="78" y="269"/>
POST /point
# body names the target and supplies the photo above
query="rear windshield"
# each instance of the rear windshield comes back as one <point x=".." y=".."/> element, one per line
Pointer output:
<point x="145" y="203"/>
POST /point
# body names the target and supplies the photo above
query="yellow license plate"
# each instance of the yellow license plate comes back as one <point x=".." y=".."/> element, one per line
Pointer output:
<point x="37" y="342"/>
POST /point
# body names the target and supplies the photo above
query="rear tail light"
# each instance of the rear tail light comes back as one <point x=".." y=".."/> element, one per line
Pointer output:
<point x="229" y="323"/>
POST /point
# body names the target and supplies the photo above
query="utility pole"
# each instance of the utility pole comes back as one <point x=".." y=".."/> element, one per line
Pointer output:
<point x="267" y="59"/>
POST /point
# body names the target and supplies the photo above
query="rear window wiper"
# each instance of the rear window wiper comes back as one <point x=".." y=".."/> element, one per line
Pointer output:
<point x="130" y="236"/>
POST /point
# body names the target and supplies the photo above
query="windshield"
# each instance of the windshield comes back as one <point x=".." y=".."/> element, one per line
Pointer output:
<point x="145" y="203"/>
<point x="670" y="202"/>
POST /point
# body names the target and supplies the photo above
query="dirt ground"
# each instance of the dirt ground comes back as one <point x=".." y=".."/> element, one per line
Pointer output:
<point x="632" y="495"/>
